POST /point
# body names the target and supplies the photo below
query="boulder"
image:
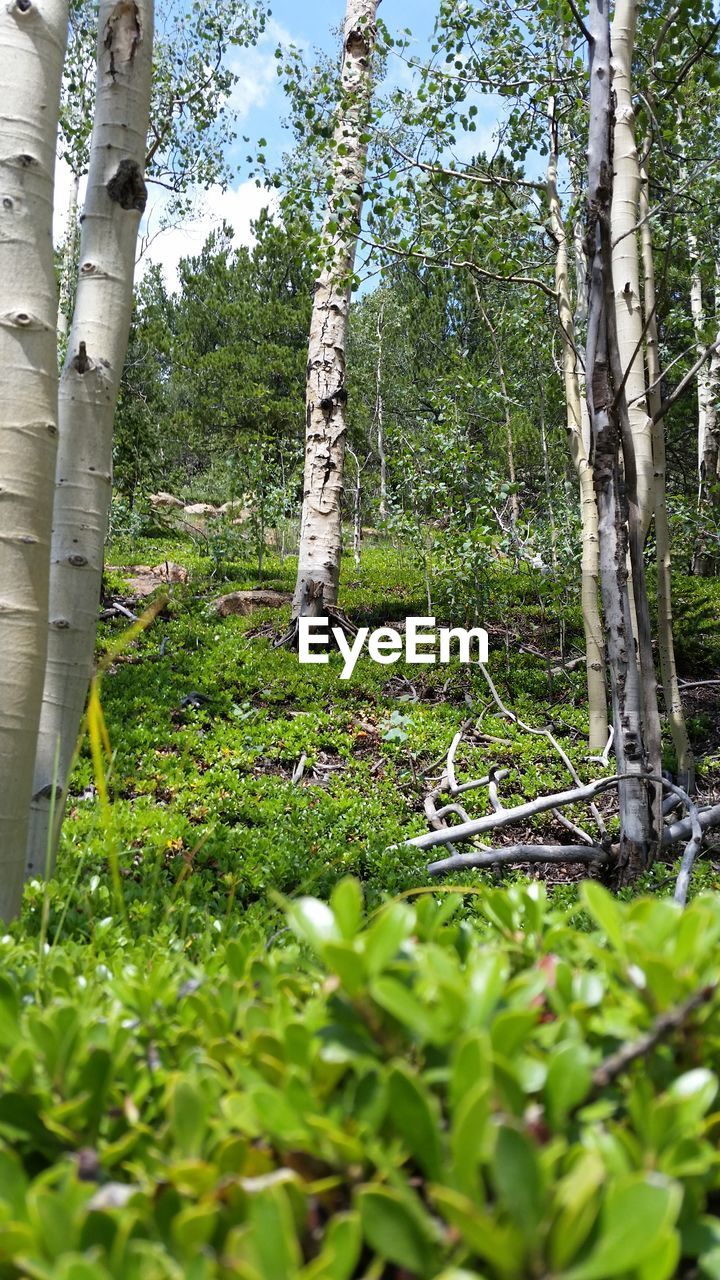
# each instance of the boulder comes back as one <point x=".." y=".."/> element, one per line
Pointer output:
<point x="236" y="508"/>
<point x="245" y="602"/>
<point x="203" y="509"/>
<point x="165" y="500"/>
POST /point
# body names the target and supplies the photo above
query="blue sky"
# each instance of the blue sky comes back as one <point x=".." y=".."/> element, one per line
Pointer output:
<point x="259" y="103"/>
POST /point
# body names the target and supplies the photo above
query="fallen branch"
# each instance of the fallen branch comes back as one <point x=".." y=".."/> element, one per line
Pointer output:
<point x="604" y="758"/>
<point x="336" y="616"/>
<point x="693" y="847"/>
<point x="663" y="1026"/>
<point x="520" y="853"/>
<point x="690" y="829"/>
<point x="519" y="813"/>
<point x="541" y="733"/>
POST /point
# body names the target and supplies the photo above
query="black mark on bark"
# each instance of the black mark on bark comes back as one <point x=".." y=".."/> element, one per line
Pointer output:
<point x="127" y="188"/>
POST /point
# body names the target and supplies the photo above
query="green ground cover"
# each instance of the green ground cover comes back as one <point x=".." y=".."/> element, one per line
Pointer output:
<point x="209" y="1071"/>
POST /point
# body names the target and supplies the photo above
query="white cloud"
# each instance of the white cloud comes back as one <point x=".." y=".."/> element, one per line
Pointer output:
<point x="256" y="69"/>
<point x="238" y="206"/>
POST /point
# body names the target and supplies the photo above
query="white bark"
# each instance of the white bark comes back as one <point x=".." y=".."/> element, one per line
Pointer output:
<point x="666" y="645"/>
<point x="380" y="418"/>
<point x="69" y="267"/>
<point x="602" y="360"/>
<point x="625" y="260"/>
<point x="708" y="387"/>
<point x="509" y="443"/>
<point x="32" y="47"/>
<point x="578" y="430"/>
<point x="116" y="197"/>
<point x="326" y="403"/>
<point x="697" y="311"/>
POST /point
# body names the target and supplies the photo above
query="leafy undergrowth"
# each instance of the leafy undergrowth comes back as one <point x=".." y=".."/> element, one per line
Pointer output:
<point x="400" y="1096"/>
<point x="208" y="722"/>
<point x="204" y="1079"/>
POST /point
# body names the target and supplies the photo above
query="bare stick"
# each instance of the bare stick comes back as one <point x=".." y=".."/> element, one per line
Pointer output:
<point x="693" y="847"/>
<point x="542" y="733"/>
<point x="572" y="826"/>
<point x="663" y="1026"/>
<point x="603" y="759"/>
<point x="495" y="800"/>
<point x="682" y="830"/>
<point x="519" y="813"/>
<point x="450" y="766"/>
<point x="520" y="853"/>
<point x="299" y="769"/>
<point x="685" y="383"/>
<point x="580" y="22"/>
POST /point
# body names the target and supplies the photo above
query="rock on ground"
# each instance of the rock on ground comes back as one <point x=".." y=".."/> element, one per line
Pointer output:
<point x="244" y="602"/>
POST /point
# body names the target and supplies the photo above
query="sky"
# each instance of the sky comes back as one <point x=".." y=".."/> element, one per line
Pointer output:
<point x="260" y="108"/>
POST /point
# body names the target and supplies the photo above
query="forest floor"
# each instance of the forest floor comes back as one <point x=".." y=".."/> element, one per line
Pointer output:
<point x="205" y="1073"/>
<point x="209" y="725"/>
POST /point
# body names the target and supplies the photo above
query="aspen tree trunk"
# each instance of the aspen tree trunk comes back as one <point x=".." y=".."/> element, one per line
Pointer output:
<point x="32" y="50"/>
<point x="577" y="433"/>
<point x="116" y="197"/>
<point x="580" y="320"/>
<point x="625" y="261"/>
<point x="69" y="267"/>
<point x="380" y="418"/>
<point x="697" y="310"/>
<point x="509" y="443"/>
<point x="548" y="482"/>
<point x="666" y="645"/>
<point x="708" y="388"/>
<point x="357" y="508"/>
<point x="638" y="837"/>
<point x="326" y="403"/>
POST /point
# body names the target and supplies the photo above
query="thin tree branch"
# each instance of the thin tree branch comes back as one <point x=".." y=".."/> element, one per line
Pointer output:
<point x="685" y="383"/>
<point x="663" y="1026"/>
<point x="580" y="22"/>
<point x="458" y="264"/>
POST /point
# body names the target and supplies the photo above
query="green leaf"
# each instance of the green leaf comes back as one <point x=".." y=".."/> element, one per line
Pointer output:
<point x="340" y="1253"/>
<point x="517" y="1177"/>
<point x="605" y="912"/>
<point x="347" y="906"/>
<point x="638" y="1211"/>
<point x="193" y="1227"/>
<point x="398" y="1000"/>
<point x="9" y="1014"/>
<point x="386" y="935"/>
<point x="313" y="922"/>
<point x="393" y="1226"/>
<point x="568" y="1079"/>
<point x="578" y="1196"/>
<point x="501" y="1246"/>
<point x="273" y="1237"/>
<point x="415" y="1118"/>
<point x="188" y="1117"/>
<point x="470" y="1134"/>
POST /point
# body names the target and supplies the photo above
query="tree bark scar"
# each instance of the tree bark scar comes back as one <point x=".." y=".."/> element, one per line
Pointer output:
<point x="127" y="187"/>
<point x="122" y="36"/>
<point x="82" y="362"/>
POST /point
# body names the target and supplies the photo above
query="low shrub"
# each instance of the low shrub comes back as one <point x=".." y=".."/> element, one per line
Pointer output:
<point x="404" y="1095"/>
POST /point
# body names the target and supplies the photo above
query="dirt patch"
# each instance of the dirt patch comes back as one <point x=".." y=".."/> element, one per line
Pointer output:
<point x="144" y="579"/>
